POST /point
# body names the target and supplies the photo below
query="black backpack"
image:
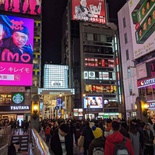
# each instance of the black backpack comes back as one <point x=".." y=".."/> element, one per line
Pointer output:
<point x="120" y="148"/>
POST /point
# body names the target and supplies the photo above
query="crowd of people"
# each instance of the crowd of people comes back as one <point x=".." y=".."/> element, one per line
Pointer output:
<point x="108" y="137"/>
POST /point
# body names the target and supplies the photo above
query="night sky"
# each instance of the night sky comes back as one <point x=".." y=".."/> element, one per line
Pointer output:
<point x="52" y="12"/>
<point x="51" y="30"/>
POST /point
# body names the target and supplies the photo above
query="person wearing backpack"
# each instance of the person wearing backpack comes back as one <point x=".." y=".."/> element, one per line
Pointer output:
<point x="116" y="143"/>
<point x="96" y="147"/>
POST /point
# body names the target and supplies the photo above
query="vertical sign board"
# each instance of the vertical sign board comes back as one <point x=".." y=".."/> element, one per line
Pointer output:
<point x="16" y="51"/>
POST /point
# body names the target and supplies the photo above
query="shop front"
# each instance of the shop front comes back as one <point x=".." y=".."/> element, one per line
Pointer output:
<point x="15" y="112"/>
<point x="146" y="88"/>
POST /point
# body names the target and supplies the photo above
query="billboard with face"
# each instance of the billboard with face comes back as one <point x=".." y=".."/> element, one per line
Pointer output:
<point x="89" y="10"/>
<point x="142" y="15"/>
<point x="32" y="7"/>
<point x="93" y="102"/>
<point x="16" y="50"/>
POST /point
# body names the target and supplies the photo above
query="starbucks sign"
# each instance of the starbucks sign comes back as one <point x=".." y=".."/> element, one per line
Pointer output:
<point x="17" y="98"/>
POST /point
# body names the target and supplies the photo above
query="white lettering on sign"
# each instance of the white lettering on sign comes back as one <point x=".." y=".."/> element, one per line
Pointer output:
<point x="152" y="105"/>
<point x="150" y="81"/>
<point x="19" y="107"/>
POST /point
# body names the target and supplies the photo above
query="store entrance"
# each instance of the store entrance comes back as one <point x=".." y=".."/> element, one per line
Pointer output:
<point x="20" y="118"/>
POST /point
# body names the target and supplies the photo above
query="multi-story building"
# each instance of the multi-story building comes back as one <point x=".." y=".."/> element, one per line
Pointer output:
<point x="137" y="50"/>
<point x="128" y="69"/>
<point x="26" y="86"/>
<point x="56" y="94"/>
<point x="90" y="48"/>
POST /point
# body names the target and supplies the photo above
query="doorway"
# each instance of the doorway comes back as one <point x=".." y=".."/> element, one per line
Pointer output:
<point x="20" y="118"/>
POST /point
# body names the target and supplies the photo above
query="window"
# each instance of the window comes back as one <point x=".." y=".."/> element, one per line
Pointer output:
<point x="129" y="72"/>
<point x="130" y="89"/>
<point x="103" y="38"/>
<point x="124" y="22"/>
<point x="125" y="38"/>
<point x="127" y="55"/>
<point x="90" y="37"/>
<point x="96" y="37"/>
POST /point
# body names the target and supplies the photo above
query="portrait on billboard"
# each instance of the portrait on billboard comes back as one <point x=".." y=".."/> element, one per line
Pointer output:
<point x="16" y="40"/>
<point x="142" y="15"/>
<point x="89" y="10"/>
<point x="16" y="50"/>
<point x="32" y="7"/>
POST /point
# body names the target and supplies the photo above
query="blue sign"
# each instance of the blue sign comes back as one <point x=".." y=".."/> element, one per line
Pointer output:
<point x="57" y="108"/>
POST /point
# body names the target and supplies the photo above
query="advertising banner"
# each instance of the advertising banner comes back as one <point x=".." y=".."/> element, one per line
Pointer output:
<point x="89" y="10"/>
<point x="16" y="51"/>
<point x="32" y="7"/>
<point x="93" y="102"/>
<point x="142" y="15"/>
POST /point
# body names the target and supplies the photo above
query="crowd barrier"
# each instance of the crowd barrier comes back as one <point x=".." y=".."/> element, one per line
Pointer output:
<point x="40" y="147"/>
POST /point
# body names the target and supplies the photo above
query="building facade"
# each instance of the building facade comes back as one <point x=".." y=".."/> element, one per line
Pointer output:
<point x="56" y="95"/>
<point x="10" y="109"/>
<point x="91" y="50"/>
<point x="137" y="50"/>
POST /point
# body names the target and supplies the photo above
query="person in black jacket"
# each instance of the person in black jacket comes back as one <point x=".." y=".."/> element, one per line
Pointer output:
<point x="11" y="149"/>
<point x="61" y="142"/>
<point x="88" y="137"/>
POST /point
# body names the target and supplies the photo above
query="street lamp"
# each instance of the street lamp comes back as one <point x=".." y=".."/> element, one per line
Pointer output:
<point x="146" y="111"/>
<point x="35" y="110"/>
<point x="88" y="106"/>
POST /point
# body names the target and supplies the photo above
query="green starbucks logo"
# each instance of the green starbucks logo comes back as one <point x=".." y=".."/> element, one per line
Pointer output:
<point x="18" y="98"/>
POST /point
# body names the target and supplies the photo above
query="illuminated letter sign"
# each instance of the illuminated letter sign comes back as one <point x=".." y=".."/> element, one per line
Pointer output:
<point x="20" y="107"/>
<point x="9" y="56"/>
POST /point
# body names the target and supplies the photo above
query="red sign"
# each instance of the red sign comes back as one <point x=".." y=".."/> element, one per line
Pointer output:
<point x="89" y="10"/>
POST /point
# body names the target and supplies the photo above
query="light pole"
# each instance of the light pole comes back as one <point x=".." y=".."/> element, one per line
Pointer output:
<point x="88" y="106"/>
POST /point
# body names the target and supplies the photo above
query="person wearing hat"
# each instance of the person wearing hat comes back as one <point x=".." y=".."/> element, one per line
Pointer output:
<point x="97" y="142"/>
<point x="15" y="48"/>
<point x="61" y="142"/>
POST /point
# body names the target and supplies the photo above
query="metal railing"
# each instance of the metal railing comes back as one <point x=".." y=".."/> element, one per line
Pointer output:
<point x="40" y="147"/>
<point x="4" y="150"/>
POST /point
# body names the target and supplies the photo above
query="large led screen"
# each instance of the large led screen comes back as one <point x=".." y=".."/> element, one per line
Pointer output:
<point x="142" y="15"/>
<point x="93" y="102"/>
<point x="16" y="51"/>
<point x="32" y="7"/>
<point x="89" y="10"/>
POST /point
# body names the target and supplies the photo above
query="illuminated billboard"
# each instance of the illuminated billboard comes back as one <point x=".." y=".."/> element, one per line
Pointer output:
<point x="142" y="15"/>
<point x="16" y="51"/>
<point x="32" y="7"/>
<point x="89" y="10"/>
<point x="93" y="102"/>
<point x="55" y="76"/>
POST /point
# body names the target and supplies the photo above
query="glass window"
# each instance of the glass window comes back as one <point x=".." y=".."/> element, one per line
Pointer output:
<point x="96" y="37"/>
<point x="127" y="55"/>
<point x="124" y="22"/>
<point x="90" y="37"/>
<point x="103" y="38"/>
<point x="153" y="87"/>
<point x="129" y="72"/>
<point x="149" y="90"/>
<point x="130" y="89"/>
<point x="125" y="38"/>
